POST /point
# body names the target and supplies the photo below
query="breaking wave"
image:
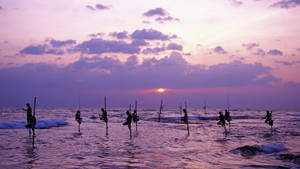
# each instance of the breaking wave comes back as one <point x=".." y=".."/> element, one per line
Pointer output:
<point x="41" y="124"/>
<point x="253" y="150"/>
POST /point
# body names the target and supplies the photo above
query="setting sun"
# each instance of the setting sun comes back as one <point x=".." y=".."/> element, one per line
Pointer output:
<point x="161" y="90"/>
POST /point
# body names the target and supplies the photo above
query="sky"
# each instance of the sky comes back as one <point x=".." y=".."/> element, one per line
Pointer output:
<point x="245" y="54"/>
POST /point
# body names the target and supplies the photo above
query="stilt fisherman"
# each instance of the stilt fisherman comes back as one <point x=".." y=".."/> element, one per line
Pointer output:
<point x="128" y="121"/>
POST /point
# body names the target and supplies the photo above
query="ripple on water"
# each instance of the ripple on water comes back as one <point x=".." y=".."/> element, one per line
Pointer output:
<point x="164" y="145"/>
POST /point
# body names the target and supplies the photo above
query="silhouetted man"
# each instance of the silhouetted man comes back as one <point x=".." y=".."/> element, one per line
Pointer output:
<point x="128" y="121"/>
<point x="135" y="117"/>
<point x="227" y="116"/>
<point x="221" y="119"/>
<point x="104" y="115"/>
<point x="185" y="120"/>
<point x="77" y="117"/>
<point x="185" y="117"/>
<point x="29" y="115"/>
<point x="268" y="118"/>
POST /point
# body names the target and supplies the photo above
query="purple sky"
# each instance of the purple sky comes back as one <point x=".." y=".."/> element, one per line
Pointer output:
<point x="247" y="51"/>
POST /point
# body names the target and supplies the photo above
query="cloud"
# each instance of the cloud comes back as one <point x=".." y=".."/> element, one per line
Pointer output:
<point x="298" y="49"/>
<point x="119" y="35"/>
<point x="161" y="15"/>
<point x="99" y="46"/>
<point x="132" y="45"/>
<point x="236" y="71"/>
<point x="101" y="7"/>
<point x="275" y="52"/>
<point x="155" y="12"/>
<point x="55" y="52"/>
<point x="90" y="7"/>
<point x="236" y="2"/>
<point x="286" y="63"/>
<point x="40" y="50"/>
<point x="120" y="81"/>
<point x="155" y="50"/>
<point x="250" y="46"/>
<point x="259" y="52"/>
<point x="51" y="47"/>
<point x="151" y="34"/>
<point x="58" y="43"/>
<point x="98" y="7"/>
<point x="219" y="50"/>
<point x="174" y="46"/>
<point x="164" y="19"/>
<point x="34" y="50"/>
<point x="187" y="54"/>
<point x="286" y="4"/>
<point x="132" y="61"/>
<point x="139" y="42"/>
<point x="1" y="7"/>
<point x="146" y="22"/>
<point x="96" y="35"/>
<point x="108" y="73"/>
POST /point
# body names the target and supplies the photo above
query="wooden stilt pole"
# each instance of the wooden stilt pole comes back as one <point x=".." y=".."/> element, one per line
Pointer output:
<point x="135" y="108"/>
<point x="180" y="109"/>
<point x="204" y="107"/>
<point x="79" y="106"/>
<point x="160" y="110"/>
<point x="228" y="110"/>
<point x="187" y="120"/>
<point x="33" y="118"/>
<point x="34" y="105"/>
<point x="106" y="113"/>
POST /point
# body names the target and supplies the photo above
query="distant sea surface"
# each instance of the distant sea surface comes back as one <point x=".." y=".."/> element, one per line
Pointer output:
<point x="249" y="143"/>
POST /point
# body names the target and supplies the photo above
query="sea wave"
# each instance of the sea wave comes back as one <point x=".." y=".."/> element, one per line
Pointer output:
<point x="253" y="150"/>
<point x="272" y="147"/>
<point x="191" y="118"/>
<point x="41" y="124"/>
<point x="294" y="114"/>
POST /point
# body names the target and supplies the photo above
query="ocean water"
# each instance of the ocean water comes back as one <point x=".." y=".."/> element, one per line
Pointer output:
<point x="250" y="143"/>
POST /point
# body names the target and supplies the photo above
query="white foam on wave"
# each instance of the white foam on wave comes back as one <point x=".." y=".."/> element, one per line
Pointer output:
<point x="41" y="124"/>
<point x="272" y="147"/>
